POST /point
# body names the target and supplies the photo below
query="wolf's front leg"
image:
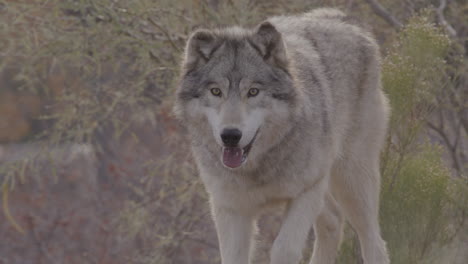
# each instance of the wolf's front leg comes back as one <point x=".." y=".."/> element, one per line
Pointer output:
<point x="300" y="216"/>
<point x="234" y="234"/>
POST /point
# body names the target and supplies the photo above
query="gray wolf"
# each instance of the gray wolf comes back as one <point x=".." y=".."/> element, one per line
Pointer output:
<point x="289" y="112"/>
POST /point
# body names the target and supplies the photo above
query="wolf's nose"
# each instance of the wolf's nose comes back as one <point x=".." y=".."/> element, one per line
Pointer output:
<point x="231" y="136"/>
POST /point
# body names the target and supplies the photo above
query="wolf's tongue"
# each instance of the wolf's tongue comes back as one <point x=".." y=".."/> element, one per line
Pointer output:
<point x="232" y="157"/>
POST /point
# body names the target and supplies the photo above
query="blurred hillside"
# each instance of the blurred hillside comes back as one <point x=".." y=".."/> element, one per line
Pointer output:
<point x="94" y="168"/>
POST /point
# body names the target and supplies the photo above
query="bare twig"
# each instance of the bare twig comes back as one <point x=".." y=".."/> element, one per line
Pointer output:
<point x="165" y="32"/>
<point x="410" y="5"/>
<point x="451" y="147"/>
<point x="396" y="171"/>
<point x="440" y="16"/>
<point x="42" y="247"/>
<point x="383" y="13"/>
<point x="204" y="242"/>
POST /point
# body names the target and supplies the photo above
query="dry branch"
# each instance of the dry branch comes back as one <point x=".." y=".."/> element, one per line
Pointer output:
<point x="440" y="16"/>
<point x="383" y="13"/>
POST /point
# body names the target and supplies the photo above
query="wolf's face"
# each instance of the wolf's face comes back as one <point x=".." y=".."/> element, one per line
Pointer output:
<point x="236" y="84"/>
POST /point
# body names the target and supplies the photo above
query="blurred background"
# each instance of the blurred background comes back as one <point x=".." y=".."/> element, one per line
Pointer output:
<point x="95" y="169"/>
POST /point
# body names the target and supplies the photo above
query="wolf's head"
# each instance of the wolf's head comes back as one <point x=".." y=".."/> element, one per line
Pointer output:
<point x="236" y="85"/>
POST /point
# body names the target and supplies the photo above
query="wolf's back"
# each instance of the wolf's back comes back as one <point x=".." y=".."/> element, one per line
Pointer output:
<point x="338" y="63"/>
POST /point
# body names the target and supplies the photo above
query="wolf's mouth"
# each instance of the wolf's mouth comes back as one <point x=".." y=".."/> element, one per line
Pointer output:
<point x="233" y="157"/>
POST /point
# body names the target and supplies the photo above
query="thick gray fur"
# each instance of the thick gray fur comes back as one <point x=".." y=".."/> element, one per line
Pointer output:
<point x="321" y="119"/>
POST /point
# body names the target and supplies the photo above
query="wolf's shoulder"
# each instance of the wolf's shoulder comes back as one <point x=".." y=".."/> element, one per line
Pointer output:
<point x="325" y="26"/>
<point x="326" y="13"/>
<point x="330" y="18"/>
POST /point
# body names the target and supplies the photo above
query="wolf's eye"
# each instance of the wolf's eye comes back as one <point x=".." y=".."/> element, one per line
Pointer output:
<point x="253" y="92"/>
<point x="216" y="91"/>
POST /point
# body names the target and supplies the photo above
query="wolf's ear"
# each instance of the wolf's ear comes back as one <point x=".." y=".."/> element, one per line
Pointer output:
<point x="200" y="47"/>
<point x="269" y="43"/>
